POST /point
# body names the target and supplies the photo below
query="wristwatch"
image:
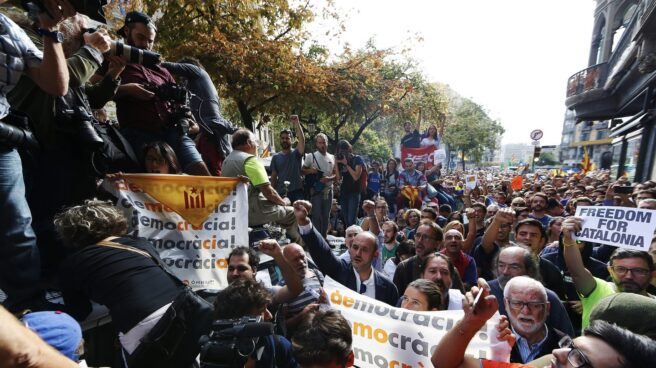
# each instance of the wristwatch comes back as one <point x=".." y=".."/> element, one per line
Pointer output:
<point x="58" y="37"/>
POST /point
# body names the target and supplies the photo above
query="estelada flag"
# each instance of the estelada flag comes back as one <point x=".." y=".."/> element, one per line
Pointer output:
<point x="191" y="197"/>
<point x="517" y="182"/>
<point x="586" y="164"/>
<point x="410" y="192"/>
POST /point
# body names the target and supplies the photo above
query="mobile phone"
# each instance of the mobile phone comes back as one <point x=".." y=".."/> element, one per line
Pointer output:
<point x="476" y="300"/>
<point x="624" y="189"/>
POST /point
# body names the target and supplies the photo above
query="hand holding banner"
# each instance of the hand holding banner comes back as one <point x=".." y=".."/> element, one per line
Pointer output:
<point x="196" y="252"/>
<point x="384" y="336"/>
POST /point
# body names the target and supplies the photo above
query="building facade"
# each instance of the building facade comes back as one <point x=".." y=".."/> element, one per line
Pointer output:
<point x="612" y="101"/>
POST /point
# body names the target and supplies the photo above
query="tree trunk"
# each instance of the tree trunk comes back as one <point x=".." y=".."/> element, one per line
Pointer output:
<point x="246" y="116"/>
<point x="462" y="156"/>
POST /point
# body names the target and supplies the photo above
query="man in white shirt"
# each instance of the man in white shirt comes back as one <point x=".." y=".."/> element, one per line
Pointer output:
<point x="321" y="163"/>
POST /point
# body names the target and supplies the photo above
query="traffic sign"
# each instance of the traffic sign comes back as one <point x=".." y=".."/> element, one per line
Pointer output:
<point x="536" y="143"/>
<point x="536" y="134"/>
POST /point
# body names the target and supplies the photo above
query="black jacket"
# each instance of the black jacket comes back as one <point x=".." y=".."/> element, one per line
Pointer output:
<point x="549" y="345"/>
<point x="342" y="271"/>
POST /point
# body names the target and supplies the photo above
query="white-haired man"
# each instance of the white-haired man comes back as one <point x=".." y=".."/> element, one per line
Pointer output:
<point x="528" y="308"/>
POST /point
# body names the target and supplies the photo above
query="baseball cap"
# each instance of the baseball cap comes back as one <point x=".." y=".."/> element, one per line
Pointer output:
<point x="57" y="329"/>
<point x="134" y="17"/>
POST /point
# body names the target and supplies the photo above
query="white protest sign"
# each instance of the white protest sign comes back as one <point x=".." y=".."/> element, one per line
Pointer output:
<point x="471" y="181"/>
<point x="439" y="156"/>
<point x="385" y="336"/>
<point x="622" y="227"/>
<point x="197" y="255"/>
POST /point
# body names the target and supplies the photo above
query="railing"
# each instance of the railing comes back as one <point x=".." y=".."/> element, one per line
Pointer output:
<point x="587" y="79"/>
<point x="595" y="76"/>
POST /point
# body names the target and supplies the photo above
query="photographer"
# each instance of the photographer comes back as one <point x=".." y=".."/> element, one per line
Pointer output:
<point x="351" y="168"/>
<point x="63" y="126"/>
<point x="247" y="297"/>
<point x="19" y="258"/>
<point x="322" y="166"/>
<point x="214" y="145"/>
<point x="145" y="117"/>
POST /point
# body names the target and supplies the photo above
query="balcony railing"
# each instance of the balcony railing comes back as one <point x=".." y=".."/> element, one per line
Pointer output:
<point x="596" y="76"/>
<point x="587" y="79"/>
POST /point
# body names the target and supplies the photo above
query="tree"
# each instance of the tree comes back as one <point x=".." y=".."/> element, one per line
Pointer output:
<point x="471" y="131"/>
<point x="360" y="88"/>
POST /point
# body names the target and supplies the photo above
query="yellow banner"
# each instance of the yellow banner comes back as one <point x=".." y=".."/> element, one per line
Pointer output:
<point x="192" y="197"/>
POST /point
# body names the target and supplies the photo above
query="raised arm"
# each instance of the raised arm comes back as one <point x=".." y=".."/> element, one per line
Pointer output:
<point x="52" y="75"/>
<point x="583" y="279"/>
<point x="293" y="283"/>
<point x="319" y="249"/>
<point x="300" y="147"/>
<point x="471" y="233"/>
<point x="450" y="352"/>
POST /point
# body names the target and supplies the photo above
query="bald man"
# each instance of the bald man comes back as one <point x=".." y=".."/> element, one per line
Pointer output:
<point x="358" y="274"/>
<point x="308" y="300"/>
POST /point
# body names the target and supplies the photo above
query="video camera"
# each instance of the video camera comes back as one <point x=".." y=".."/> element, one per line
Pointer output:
<point x="91" y="8"/>
<point x="231" y="341"/>
<point x="178" y="96"/>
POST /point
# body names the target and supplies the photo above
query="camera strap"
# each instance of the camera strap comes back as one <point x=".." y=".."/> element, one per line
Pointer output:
<point x="157" y="260"/>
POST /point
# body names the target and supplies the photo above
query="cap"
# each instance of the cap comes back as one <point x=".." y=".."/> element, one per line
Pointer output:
<point x="134" y="17"/>
<point x="57" y="329"/>
<point x="636" y="313"/>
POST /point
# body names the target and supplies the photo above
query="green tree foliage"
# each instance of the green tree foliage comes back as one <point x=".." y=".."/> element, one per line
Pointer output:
<point x="471" y="131"/>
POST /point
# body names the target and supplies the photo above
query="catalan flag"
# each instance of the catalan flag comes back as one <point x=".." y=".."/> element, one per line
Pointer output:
<point x="194" y="198"/>
<point x="266" y="152"/>
<point x="410" y="192"/>
<point x="586" y="164"/>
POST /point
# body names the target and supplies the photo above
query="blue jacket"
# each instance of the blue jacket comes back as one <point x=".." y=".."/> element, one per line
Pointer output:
<point x="342" y="270"/>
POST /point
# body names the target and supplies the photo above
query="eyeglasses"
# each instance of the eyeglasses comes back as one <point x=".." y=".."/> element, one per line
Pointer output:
<point x="621" y="271"/>
<point x="575" y="357"/>
<point x="532" y="306"/>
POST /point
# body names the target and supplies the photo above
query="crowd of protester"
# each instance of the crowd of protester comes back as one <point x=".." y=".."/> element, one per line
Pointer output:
<point x="415" y="236"/>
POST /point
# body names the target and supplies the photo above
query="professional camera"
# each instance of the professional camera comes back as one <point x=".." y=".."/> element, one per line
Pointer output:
<point x="81" y="121"/>
<point x="15" y="132"/>
<point x="91" y="8"/>
<point x="133" y="54"/>
<point x="178" y="96"/>
<point x="232" y="341"/>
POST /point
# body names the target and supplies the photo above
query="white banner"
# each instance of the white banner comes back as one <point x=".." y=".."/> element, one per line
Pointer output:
<point x="384" y="336"/>
<point x="439" y="156"/>
<point x="622" y="227"/>
<point x="197" y="255"/>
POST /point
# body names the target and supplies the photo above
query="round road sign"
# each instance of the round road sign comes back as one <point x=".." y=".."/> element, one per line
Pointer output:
<point x="536" y="134"/>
